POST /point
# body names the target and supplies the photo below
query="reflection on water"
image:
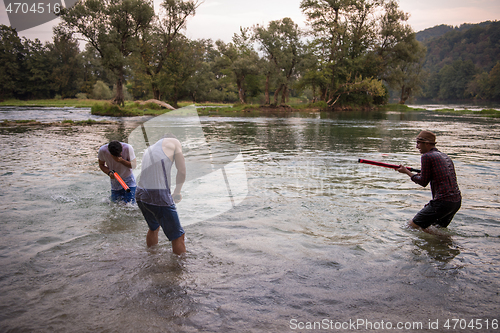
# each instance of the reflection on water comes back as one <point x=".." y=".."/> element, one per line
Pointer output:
<point x="441" y="249"/>
<point x="318" y="236"/>
<point x="48" y="114"/>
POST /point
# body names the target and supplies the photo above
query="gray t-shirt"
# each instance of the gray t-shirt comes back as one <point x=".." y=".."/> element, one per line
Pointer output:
<point x="124" y="172"/>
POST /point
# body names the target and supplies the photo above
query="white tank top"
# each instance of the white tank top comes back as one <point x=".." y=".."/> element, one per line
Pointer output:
<point x="153" y="185"/>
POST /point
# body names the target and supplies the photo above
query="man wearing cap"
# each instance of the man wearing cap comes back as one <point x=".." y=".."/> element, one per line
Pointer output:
<point x="439" y="171"/>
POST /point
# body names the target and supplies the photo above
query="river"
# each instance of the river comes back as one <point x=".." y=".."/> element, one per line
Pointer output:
<point x="315" y="242"/>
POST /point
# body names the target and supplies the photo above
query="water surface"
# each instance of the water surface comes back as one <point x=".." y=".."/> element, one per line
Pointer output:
<point x="319" y="235"/>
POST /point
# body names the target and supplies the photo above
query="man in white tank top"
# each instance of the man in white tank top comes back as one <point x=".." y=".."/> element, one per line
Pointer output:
<point x="153" y="195"/>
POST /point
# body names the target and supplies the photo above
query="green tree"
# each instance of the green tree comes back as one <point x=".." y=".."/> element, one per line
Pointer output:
<point x="240" y="60"/>
<point x="479" y="86"/>
<point x="405" y="73"/>
<point x="455" y="79"/>
<point x="400" y="53"/>
<point x="37" y="70"/>
<point x="178" y="77"/>
<point x="66" y="75"/>
<point x="329" y="23"/>
<point x="156" y="44"/>
<point x="93" y="70"/>
<point x="208" y="83"/>
<point x="314" y="72"/>
<point x="283" y="49"/>
<point x="486" y="85"/>
<point x="222" y="84"/>
<point x="11" y="63"/>
<point x="367" y="88"/>
<point x="494" y="82"/>
<point x="112" y="27"/>
<point x="346" y="35"/>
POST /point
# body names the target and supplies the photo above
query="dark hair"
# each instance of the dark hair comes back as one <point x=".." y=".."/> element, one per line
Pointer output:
<point x="115" y="148"/>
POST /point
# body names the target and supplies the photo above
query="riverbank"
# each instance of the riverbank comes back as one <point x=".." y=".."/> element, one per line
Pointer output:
<point x="98" y="107"/>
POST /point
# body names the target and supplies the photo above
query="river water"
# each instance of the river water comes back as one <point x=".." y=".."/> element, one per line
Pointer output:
<point x="318" y="241"/>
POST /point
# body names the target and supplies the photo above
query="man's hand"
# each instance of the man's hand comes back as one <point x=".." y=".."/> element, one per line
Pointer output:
<point x="403" y="169"/>
<point x="122" y="161"/>
<point x="177" y="197"/>
<point x="118" y="159"/>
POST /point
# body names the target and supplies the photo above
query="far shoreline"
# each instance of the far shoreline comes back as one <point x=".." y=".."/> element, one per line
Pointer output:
<point x="155" y="108"/>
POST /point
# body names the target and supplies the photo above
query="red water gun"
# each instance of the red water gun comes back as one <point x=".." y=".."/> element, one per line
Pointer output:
<point x="385" y="165"/>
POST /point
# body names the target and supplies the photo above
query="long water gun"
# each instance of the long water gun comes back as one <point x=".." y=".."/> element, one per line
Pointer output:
<point x="385" y="165"/>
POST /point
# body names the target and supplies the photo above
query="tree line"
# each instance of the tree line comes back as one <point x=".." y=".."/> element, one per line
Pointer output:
<point x="352" y="53"/>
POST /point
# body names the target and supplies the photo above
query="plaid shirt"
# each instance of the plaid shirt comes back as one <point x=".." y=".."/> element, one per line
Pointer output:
<point x="438" y="169"/>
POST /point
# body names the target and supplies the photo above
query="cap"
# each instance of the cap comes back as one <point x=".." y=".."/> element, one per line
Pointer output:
<point x="426" y="136"/>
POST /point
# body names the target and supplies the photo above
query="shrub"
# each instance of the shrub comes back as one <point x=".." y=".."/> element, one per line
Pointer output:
<point x="101" y="91"/>
<point x="319" y="105"/>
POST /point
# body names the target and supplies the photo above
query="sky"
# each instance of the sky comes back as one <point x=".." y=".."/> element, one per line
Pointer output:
<point x="221" y="19"/>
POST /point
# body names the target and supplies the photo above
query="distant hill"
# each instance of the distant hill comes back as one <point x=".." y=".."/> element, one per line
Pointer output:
<point x="433" y="32"/>
<point x="442" y="29"/>
<point x="460" y="59"/>
<point x="479" y="43"/>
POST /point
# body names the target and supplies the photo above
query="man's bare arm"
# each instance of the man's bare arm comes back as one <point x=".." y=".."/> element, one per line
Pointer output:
<point x="105" y="169"/>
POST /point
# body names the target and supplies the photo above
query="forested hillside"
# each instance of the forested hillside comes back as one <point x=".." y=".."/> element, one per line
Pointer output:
<point x="441" y="29"/>
<point x="354" y="53"/>
<point x="463" y="62"/>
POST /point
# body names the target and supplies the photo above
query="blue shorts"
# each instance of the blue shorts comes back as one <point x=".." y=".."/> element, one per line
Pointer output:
<point x="122" y="195"/>
<point x="438" y="213"/>
<point x="164" y="216"/>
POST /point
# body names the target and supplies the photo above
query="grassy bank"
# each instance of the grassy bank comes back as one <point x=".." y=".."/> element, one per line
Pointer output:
<point x="398" y="107"/>
<point x="98" y="107"/>
<point x="103" y="107"/>
<point x="131" y="109"/>
<point x="491" y="113"/>
<point x="77" y="103"/>
<point x="15" y="123"/>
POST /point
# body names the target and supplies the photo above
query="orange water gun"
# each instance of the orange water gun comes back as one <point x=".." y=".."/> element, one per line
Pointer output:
<point x="120" y="180"/>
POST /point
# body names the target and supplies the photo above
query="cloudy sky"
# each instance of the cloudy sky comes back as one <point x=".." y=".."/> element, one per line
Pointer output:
<point x="220" y="19"/>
